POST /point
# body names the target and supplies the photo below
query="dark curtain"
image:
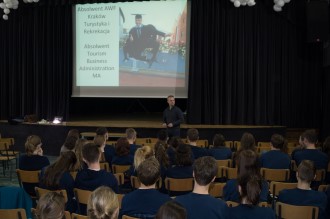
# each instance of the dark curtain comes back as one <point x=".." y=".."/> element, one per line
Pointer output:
<point x="251" y="65"/>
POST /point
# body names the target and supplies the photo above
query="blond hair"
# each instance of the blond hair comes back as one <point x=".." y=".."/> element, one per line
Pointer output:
<point x="103" y="204"/>
<point x="141" y="154"/>
<point x="50" y="206"/>
<point x="31" y="144"/>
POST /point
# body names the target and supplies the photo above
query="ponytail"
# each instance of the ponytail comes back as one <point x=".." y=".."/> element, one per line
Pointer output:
<point x="250" y="188"/>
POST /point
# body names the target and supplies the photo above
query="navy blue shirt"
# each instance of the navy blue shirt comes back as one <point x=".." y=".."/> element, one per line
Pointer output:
<point x="143" y="203"/>
<point x="319" y="158"/>
<point x="133" y="148"/>
<point x="202" y="206"/>
<point x="230" y="191"/>
<point x="220" y="153"/>
<point x="171" y="154"/>
<point x="123" y="160"/>
<point x="174" y="116"/>
<point x="198" y="151"/>
<point x="250" y="212"/>
<point x="304" y="197"/>
<point x="275" y="159"/>
<point x="109" y="153"/>
<point x="179" y="172"/>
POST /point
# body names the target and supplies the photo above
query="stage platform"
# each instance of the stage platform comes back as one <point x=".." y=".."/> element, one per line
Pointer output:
<point x="146" y="125"/>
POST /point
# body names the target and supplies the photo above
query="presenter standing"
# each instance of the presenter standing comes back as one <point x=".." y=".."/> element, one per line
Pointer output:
<point x="172" y="117"/>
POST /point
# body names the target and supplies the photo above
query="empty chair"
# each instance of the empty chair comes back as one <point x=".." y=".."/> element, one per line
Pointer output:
<point x="179" y="185"/>
<point x="287" y="211"/>
<point x="31" y="177"/>
<point x="279" y="175"/>
<point x="82" y="197"/>
<point x="224" y="163"/>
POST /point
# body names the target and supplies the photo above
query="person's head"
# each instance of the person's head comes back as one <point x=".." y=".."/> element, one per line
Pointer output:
<point x="248" y="142"/>
<point x="148" y="171"/>
<point x="162" y="135"/>
<point x="50" y="206"/>
<point x="141" y="154"/>
<point x="278" y="142"/>
<point x="100" y="140"/>
<point x="131" y="134"/>
<point x="183" y="155"/>
<point x="204" y="170"/>
<point x="247" y="163"/>
<point x="122" y="147"/>
<point x="78" y="151"/>
<point x="192" y="135"/>
<point x="309" y="137"/>
<point x="102" y="131"/>
<point x="161" y="155"/>
<point x="171" y="210"/>
<point x="138" y="19"/>
<point x="171" y="100"/>
<point x="306" y="171"/>
<point x="70" y="142"/>
<point x="74" y="132"/>
<point x="91" y="153"/>
<point x="218" y="140"/>
<point x="103" y="204"/>
<point x="249" y="187"/>
<point x="175" y="141"/>
<point x="32" y="145"/>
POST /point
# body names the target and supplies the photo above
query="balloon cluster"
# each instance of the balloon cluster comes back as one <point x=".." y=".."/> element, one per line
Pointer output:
<point x="6" y="5"/>
<point x="278" y="4"/>
<point x="238" y="3"/>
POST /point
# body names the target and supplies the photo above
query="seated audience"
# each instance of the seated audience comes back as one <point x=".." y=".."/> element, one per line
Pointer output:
<point x="171" y="210"/>
<point x="50" y="206"/>
<point x="161" y="156"/>
<point x="276" y="158"/>
<point x="141" y="154"/>
<point x="199" y="203"/>
<point x="303" y="195"/>
<point x="123" y="155"/>
<point x="183" y="163"/>
<point x="103" y="204"/>
<point x="171" y="149"/>
<point x="57" y="176"/>
<point x="310" y="152"/>
<point x="80" y="164"/>
<point x="219" y="150"/>
<point x="250" y="188"/>
<point x="32" y="160"/>
<point x="93" y="177"/>
<point x="145" y="201"/>
<point x="131" y="137"/>
<point x="192" y="137"/>
<point x="70" y="141"/>
<point x="109" y="150"/>
<point x="247" y="164"/>
<point x="100" y="141"/>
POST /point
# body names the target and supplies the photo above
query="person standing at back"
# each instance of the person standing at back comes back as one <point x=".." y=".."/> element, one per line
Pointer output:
<point x="172" y="117"/>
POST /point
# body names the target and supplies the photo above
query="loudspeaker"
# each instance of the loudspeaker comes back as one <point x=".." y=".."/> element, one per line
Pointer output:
<point x="317" y="13"/>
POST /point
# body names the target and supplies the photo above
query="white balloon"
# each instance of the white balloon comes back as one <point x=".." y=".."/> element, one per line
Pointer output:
<point x="6" y="1"/>
<point x="2" y="5"/>
<point x="275" y="1"/>
<point x="251" y="3"/>
<point x="6" y="11"/>
<point x="280" y="3"/>
<point x="30" y="1"/>
<point x="25" y="1"/>
<point x="277" y="8"/>
<point x="5" y="17"/>
<point x="9" y="5"/>
<point x="286" y="1"/>
<point x="243" y="3"/>
<point x="232" y="1"/>
<point x="237" y="3"/>
<point x="35" y="0"/>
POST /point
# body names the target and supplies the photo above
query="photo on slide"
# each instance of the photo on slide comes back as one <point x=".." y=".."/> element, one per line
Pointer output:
<point x="152" y="44"/>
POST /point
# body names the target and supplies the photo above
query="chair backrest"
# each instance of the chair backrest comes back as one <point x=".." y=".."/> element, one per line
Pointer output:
<point x="230" y="173"/>
<point x="82" y="196"/>
<point x="232" y="204"/>
<point x="129" y="217"/>
<point x="263" y="149"/>
<point x="67" y="214"/>
<point x="287" y="211"/>
<point x="202" y="143"/>
<point x="120" y="199"/>
<point x="18" y="213"/>
<point x="73" y="174"/>
<point x="141" y="141"/>
<point x="276" y="187"/>
<point x="216" y="189"/>
<point x="40" y="192"/>
<point x="294" y="166"/>
<point x="26" y="176"/>
<point x="120" y="178"/>
<point x="135" y="182"/>
<point x="120" y="168"/>
<point x="263" y="144"/>
<point x="105" y="166"/>
<point x="279" y="175"/>
<point x="78" y="216"/>
<point x="237" y="145"/>
<point x="229" y="144"/>
<point x="224" y="163"/>
<point x="322" y="188"/>
<point x="179" y="185"/>
<point x="320" y="175"/>
<point x="153" y="140"/>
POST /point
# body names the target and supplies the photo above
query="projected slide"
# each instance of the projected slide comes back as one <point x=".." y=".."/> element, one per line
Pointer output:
<point x="132" y="44"/>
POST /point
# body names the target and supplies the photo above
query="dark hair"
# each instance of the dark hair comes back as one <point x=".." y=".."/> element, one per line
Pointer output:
<point x="175" y="141"/>
<point x="138" y="16"/>
<point x="279" y="142"/>
<point x="251" y="186"/>
<point x="148" y="171"/>
<point x="218" y="140"/>
<point x="248" y="142"/>
<point x="53" y="174"/>
<point x="74" y="132"/>
<point x="192" y="135"/>
<point x="183" y="155"/>
<point x="130" y="133"/>
<point x="122" y="147"/>
<point x="170" y="96"/>
<point x="91" y="152"/>
<point x="101" y="131"/>
<point x="205" y="169"/>
<point x="171" y="210"/>
<point x="161" y="155"/>
<point x="310" y="135"/>
<point x="70" y="142"/>
<point x="306" y="171"/>
<point x="326" y="146"/>
<point x="162" y="135"/>
<point x="248" y="163"/>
